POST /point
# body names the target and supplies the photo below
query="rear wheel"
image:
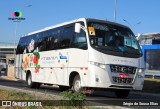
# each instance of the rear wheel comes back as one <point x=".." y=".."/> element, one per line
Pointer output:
<point x="122" y="93"/>
<point x="77" y="84"/>
<point x="31" y="84"/>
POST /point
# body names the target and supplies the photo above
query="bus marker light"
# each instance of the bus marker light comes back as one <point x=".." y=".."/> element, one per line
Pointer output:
<point x="123" y="75"/>
<point x="86" y="68"/>
<point x="81" y="68"/>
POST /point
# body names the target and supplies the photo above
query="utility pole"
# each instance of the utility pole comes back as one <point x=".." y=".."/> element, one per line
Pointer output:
<point x="115" y="10"/>
<point x="15" y="34"/>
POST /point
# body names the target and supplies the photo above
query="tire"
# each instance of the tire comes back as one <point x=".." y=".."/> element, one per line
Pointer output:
<point x="31" y="84"/>
<point x="63" y="88"/>
<point x="76" y="87"/>
<point x="122" y="93"/>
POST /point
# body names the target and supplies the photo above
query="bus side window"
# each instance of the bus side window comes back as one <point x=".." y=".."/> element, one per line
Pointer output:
<point x="67" y="37"/>
<point x="21" y="46"/>
<point x="44" y="44"/>
<point x="41" y="42"/>
<point x="49" y="40"/>
<point x="79" y="40"/>
<point x="45" y="41"/>
<point x="52" y="43"/>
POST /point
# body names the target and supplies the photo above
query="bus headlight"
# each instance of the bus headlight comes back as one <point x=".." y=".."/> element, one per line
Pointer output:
<point x="103" y="66"/>
<point x="140" y="73"/>
<point x="141" y="70"/>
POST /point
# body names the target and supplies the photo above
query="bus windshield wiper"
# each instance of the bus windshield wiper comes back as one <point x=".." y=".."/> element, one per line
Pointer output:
<point x="130" y="47"/>
<point x="107" y="48"/>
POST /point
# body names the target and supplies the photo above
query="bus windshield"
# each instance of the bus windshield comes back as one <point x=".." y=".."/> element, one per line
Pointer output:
<point x="113" y="39"/>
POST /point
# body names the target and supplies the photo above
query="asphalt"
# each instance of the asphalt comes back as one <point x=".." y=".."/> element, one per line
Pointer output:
<point x="100" y="98"/>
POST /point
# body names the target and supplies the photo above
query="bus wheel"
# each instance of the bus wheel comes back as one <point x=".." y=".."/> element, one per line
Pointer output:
<point x="77" y="88"/>
<point x="63" y="88"/>
<point x="122" y="93"/>
<point x="31" y="84"/>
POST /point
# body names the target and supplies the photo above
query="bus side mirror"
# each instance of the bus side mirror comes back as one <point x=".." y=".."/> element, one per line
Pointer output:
<point x="77" y="27"/>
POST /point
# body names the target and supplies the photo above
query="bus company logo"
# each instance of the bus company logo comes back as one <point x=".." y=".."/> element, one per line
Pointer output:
<point x="16" y="16"/>
<point x="61" y="56"/>
<point x="124" y="61"/>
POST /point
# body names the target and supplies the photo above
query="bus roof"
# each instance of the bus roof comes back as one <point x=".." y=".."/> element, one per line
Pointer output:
<point x="109" y="22"/>
<point x="79" y="19"/>
<point x="54" y="26"/>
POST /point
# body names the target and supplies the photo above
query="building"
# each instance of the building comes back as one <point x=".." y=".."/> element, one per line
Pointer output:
<point x="7" y="54"/>
<point x="150" y="43"/>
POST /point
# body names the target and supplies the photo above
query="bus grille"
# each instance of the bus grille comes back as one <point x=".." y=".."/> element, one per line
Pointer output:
<point x="122" y="74"/>
<point x="122" y="80"/>
<point x="123" y="69"/>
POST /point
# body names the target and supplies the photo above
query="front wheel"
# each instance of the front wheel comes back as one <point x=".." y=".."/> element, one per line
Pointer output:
<point x="77" y="88"/>
<point x="122" y="93"/>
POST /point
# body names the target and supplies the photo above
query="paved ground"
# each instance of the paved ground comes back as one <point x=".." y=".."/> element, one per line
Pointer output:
<point x="99" y="98"/>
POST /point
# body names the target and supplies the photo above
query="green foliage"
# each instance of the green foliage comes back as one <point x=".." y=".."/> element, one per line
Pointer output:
<point x="72" y="99"/>
<point x="69" y="95"/>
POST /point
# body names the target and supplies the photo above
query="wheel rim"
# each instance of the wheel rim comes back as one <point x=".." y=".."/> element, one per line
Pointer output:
<point x="29" y="80"/>
<point x="77" y="85"/>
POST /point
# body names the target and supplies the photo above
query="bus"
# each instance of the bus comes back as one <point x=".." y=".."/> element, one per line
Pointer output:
<point x="82" y="55"/>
